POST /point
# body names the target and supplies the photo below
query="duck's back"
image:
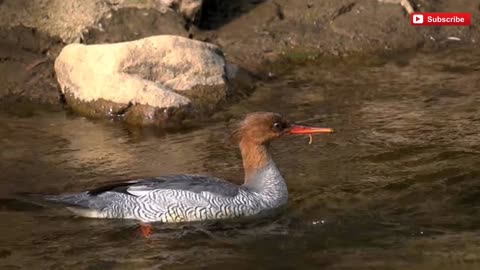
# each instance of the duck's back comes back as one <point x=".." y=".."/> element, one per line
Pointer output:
<point x="174" y="198"/>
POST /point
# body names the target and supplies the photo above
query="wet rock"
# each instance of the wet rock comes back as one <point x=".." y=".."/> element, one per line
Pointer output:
<point x="189" y="8"/>
<point x="33" y="32"/>
<point x="155" y="80"/>
<point x="451" y="36"/>
<point x="25" y="73"/>
<point x="253" y="32"/>
<point x="129" y="24"/>
<point x="284" y="28"/>
<point x="70" y="20"/>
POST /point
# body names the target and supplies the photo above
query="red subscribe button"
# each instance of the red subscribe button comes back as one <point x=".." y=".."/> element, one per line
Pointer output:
<point x="440" y="19"/>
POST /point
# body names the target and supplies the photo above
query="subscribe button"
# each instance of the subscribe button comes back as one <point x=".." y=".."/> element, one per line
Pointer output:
<point x="440" y="19"/>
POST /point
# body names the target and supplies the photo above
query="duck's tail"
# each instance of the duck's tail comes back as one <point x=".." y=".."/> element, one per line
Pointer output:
<point x="78" y="203"/>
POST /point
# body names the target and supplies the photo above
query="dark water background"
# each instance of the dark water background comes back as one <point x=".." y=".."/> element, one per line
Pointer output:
<point x="397" y="187"/>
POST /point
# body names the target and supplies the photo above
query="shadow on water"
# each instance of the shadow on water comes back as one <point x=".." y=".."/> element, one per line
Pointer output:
<point x="396" y="187"/>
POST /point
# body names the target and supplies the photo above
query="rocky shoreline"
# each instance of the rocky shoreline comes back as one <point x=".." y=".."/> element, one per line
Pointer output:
<point x="251" y="33"/>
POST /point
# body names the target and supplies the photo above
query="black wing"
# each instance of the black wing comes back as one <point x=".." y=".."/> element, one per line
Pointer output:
<point x="192" y="183"/>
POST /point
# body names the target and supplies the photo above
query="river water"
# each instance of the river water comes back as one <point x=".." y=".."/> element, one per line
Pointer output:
<point x="397" y="187"/>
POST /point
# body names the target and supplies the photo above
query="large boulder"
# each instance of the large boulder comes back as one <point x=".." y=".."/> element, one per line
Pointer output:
<point x="155" y="80"/>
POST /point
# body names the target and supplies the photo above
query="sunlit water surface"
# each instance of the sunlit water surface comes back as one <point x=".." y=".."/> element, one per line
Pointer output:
<point x="397" y="187"/>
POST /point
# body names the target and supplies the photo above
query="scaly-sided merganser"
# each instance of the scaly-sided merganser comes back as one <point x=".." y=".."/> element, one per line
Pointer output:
<point x="183" y="198"/>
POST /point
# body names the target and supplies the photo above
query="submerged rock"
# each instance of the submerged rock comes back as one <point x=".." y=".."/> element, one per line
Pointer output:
<point x="155" y="80"/>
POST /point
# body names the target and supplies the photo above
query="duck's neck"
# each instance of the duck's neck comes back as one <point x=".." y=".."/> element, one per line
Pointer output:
<point x="261" y="173"/>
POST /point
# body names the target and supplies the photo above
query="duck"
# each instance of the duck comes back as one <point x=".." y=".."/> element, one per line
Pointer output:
<point x="191" y="197"/>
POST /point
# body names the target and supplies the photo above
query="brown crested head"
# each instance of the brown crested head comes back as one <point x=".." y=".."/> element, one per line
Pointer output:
<point x="257" y="130"/>
<point x="263" y="127"/>
<point x="260" y="128"/>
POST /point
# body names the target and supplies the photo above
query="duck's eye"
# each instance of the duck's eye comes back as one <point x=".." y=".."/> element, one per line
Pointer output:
<point x="277" y="126"/>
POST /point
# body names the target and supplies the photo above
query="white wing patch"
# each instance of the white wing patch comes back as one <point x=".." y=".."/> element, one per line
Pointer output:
<point x="139" y="190"/>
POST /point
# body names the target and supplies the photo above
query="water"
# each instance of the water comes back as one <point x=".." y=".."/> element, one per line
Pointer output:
<point x="395" y="188"/>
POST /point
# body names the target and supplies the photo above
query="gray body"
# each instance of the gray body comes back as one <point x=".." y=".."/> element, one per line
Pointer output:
<point x="182" y="198"/>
